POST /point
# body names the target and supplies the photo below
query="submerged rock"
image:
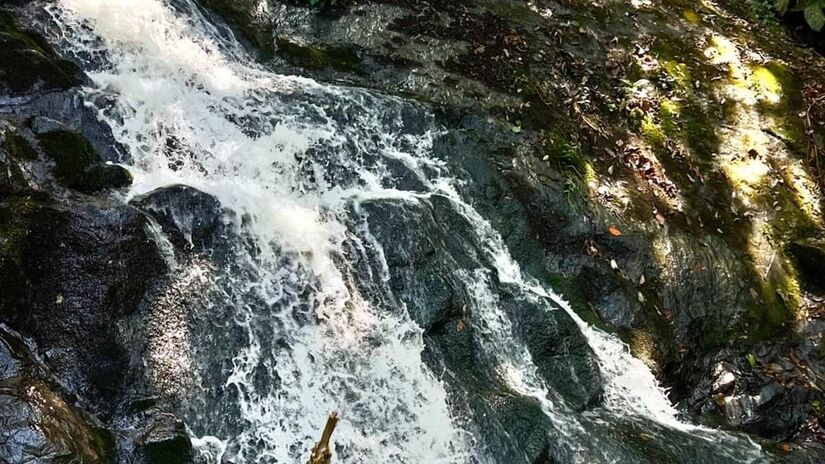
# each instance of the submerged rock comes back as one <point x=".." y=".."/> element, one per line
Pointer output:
<point x="248" y="18"/>
<point x="433" y="262"/>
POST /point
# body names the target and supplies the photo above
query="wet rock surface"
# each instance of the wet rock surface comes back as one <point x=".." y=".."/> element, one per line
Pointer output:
<point x="616" y="158"/>
<point x="430" y="275"/>
<point x="600" y="139"/>
<point x="29" y="63"/>
<point x="38" y="426"/>
<point x="191" y="219"/>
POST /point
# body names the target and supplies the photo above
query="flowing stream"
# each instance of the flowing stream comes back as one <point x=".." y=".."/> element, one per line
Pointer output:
<point x="302" y="319"/>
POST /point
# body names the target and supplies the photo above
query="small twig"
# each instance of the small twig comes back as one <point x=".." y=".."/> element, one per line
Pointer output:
<point x="770" y="265"/>
<point x="321" y="454"/>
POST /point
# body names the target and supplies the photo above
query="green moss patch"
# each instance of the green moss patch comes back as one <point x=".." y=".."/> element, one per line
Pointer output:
<point x="18" y="147"/>
<point x="19" y="217"/>
<point x="342" y="59"/>
<point x="26" y="60"/>
<point x="78" y="164"/>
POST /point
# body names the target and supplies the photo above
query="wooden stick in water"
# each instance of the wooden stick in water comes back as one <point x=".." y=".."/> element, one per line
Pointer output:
<point x="321" y="454"/>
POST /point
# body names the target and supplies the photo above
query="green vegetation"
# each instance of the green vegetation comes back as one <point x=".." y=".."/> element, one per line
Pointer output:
<point x="814" y="10"/>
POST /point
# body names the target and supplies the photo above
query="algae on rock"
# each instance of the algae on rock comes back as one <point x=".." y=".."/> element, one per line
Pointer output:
<point x="78" y="165"/>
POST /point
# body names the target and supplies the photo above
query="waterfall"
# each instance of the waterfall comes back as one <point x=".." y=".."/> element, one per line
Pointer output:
<point x="291" y="159"/>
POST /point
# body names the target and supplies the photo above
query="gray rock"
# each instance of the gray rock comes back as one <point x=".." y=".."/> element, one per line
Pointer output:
<point x="166" y="442"/>
<point x="191" y="219"/>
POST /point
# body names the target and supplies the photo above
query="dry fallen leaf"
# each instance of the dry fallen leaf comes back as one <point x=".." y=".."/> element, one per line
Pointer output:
<point x="614" y="231"/>
<point x="461" y="325"/>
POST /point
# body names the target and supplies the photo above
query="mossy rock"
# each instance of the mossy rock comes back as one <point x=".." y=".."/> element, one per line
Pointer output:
<point x="342" y="59"/>
<point x="20" y="215"/>
<point x="19" y="147"/>
<point x="78" y="165"/>
<point x="27" y="63"/>
<point x="102" y="177"/>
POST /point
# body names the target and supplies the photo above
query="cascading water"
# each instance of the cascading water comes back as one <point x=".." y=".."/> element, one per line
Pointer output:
<point x="302" y="318"/>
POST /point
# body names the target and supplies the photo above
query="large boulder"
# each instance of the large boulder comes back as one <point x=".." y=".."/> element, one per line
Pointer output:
<point x="191" y="219"/>
<point x="76" y="269"/>
<point x="71" y="270"/>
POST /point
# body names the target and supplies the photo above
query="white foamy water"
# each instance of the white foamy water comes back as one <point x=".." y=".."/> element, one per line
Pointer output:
<point x="287" y="155"/>
<point x="235" y="134"/>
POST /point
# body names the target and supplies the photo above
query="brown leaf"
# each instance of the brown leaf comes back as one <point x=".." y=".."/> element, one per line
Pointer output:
<point x="614" y="231"/>
<point x="461" y="325"/>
